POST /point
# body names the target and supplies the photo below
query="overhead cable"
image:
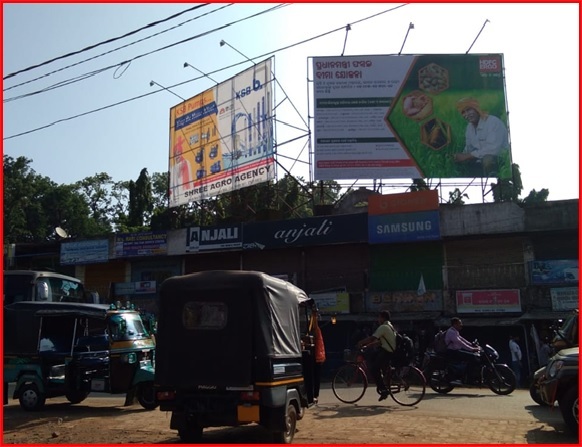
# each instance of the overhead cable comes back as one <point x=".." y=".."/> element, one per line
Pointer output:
<point x="118" y="48"/>
<point x="150" y="25"/>
<point x="197" y="78"/>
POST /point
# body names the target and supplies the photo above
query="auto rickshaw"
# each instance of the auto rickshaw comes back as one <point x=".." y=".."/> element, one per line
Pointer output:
<point x="229" y="353"/>
<point x="71" y="349"/>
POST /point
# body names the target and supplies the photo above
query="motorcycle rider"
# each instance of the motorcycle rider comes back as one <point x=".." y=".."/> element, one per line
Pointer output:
<point x="459" y="348"/>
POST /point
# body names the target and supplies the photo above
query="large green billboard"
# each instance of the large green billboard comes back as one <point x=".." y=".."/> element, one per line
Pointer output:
<point x="428" y="116"/>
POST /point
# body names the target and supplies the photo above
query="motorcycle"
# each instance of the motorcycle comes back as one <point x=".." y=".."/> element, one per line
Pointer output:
<point x="443" y="374"/>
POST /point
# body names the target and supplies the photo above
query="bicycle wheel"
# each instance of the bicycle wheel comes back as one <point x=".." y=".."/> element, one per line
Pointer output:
<point x="407" y="385"/>
<point x="349" y="383"/>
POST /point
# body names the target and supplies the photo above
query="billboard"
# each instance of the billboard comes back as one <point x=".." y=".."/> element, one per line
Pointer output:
<point x="84" y="252"/>
<point x="222" y="139"/>
<point x="557" y="271"/>
<point x="406" y="116"/>
<point x="483" y="301"/>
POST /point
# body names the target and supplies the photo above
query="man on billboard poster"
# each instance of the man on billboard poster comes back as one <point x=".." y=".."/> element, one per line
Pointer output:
<point x="486" y="137"/>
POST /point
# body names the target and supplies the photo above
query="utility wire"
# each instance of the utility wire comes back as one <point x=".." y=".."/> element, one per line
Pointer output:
<point x="84" y="76"/>
<point x="150" y="25"/>
<point x="200" y="77"/>
<point x="117" y="49"/>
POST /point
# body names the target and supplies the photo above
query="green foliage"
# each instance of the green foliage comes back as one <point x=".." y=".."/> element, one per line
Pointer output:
<point x="536" y="197"/>
<point x="34" y="206"/>
<point x="456" y="197"/>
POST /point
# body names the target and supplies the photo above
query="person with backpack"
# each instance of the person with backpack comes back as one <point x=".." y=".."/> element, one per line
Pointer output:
<point x="385" y="338"/>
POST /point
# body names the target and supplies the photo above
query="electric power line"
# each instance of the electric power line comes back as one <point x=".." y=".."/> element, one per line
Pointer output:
<point x="200" y="77"/>
<point x="84" y="76"/>
<point x="116" y="49"/>
<point x="150" y="25"/>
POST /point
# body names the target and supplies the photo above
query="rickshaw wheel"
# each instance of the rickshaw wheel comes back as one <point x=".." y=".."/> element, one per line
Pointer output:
<point x="30" y="398"/>
<point x="76" y="397"/>
<point x="286" y="437"/>
<point x="146" y="396"/>
<point x="190" y="434"/>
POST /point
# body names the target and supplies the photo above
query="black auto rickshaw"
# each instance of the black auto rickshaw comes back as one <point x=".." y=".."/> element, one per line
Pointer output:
<point x="229" y="353"/>
<point x="72" y="349"/>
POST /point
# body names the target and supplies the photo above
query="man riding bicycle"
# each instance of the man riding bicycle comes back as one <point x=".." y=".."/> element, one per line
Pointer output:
<point x="385" y="338"/>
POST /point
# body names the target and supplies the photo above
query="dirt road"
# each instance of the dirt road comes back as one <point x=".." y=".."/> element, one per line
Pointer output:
<point x="104" y="420"/>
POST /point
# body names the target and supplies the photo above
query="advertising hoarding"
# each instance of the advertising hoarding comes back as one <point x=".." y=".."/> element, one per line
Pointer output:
<point x="84" y="252"/>
<point x="564" y="298"/>
<point x="404" y="227"/>
<point x="555" y="271"/>
<point x="213" y="238"/>
<point x="147" y="243"/>
<point x="405" y="116"/>
<point x="222" y="139"/>
<point x="485" y="301"/>
<point x="404" y="202"/>
<point x="309" y="231"/>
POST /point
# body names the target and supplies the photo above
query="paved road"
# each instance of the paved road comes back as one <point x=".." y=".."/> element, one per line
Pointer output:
<point x="465" y="416"/>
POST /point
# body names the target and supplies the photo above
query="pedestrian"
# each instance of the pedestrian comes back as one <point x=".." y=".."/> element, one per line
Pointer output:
<point x="385" y="338"/>
<point x="319" y="348"/>
<point x="545" y="353"/>
<point x="515" y="358"/>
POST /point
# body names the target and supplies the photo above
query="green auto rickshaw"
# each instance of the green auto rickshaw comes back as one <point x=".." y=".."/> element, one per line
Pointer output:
<point x="72" y="349"/>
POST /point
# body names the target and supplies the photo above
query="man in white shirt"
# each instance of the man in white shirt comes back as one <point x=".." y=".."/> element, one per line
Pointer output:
<point x="486" y="137"/>
<point x="515" y="358"/>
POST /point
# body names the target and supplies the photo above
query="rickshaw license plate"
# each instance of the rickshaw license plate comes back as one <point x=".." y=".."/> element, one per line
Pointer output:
<point x="98" y="385"/>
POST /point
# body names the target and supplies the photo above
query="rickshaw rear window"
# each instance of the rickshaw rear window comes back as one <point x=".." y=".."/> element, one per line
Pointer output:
<point x="204" y="315"/>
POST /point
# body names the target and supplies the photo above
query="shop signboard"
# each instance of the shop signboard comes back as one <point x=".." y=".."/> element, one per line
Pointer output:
<point x="556" y="271"/>
<point x="147" y="243"/>
<point x="564" y="298"/>
<point x="488" y="301"/>
<point x="84" y="252"/>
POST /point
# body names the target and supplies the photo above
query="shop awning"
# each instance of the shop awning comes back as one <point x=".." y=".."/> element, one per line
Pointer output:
<point x="547" y="315"/>
<point x="481" y="322"/>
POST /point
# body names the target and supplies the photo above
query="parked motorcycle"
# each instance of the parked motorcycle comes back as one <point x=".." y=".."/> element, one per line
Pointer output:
<point x="442" y="373"/>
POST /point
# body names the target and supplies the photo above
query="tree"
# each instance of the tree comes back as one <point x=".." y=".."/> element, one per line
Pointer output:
<point x="140" y="201"/>
<point x="536" y="197"/>
<point x="34" y="206"/>
<point x="508" y="190"/>
<point x="456" y="197"/>
<point x="97" y="191"/>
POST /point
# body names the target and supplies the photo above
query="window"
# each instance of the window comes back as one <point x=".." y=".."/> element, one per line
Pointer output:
<point x="204" y="315"/>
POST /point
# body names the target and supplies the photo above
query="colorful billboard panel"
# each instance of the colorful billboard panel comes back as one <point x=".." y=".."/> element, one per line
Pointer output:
<point x="557" y="271"/>
<point x="404" y="227"/>
<point x="85" y="252"/>
<point x="222" y="139"/>
<point x="405" y="116"/>
<point x="147" y="243"/>
<point x="403" y="203"/>
<point x="488" y="301"/>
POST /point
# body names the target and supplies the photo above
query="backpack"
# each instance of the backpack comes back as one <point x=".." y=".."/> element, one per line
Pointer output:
<point x="440" y="345"/>
<point x="404" y="353"/>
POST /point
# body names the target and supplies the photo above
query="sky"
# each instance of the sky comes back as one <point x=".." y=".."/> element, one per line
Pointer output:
<point x="95" y="111"/>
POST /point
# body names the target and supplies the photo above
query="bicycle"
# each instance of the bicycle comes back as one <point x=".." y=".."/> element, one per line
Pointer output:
<point x="406" y="384"/>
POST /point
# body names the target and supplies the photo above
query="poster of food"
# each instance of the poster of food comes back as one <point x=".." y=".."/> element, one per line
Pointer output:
<point x="405" y="116"/>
